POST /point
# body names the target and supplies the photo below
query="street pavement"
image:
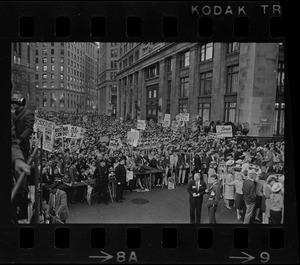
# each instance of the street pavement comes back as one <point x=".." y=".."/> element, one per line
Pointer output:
<point x="164" y="206"/>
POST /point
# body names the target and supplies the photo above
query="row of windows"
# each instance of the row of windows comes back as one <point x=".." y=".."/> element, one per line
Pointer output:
<point x="72" y="101"/>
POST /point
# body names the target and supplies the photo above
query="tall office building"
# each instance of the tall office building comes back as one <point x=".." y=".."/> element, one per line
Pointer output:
<point x="107" y="82"/>
<point x="65" y="76"/>
<point x="22" y="68"/>
<point x="236" y="82"/>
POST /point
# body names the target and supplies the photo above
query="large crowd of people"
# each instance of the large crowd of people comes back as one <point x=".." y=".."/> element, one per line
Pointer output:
<point x="248" y="173"/>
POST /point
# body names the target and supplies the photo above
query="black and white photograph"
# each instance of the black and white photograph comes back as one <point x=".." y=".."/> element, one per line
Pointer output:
<point x="148" y="132"/>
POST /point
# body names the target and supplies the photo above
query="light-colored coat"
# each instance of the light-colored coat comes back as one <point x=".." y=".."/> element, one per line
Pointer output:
<point x="61" y="205"/>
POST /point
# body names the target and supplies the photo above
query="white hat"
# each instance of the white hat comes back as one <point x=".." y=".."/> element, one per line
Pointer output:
<point x="276" y="187"/>
<point x="245" y="165"/>
<point x="230" y="162"/>
<point x="239" y="161"/>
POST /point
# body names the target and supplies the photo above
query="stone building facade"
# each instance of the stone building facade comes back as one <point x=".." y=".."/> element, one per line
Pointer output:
<point x="236" y="82"/>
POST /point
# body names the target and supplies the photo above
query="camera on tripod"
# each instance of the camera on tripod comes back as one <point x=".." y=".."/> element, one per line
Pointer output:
<point x="19" y="102"/>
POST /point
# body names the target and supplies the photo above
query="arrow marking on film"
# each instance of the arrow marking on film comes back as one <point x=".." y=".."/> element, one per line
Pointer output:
<point x="246" y="259"/>
<point x="106" y="257"/>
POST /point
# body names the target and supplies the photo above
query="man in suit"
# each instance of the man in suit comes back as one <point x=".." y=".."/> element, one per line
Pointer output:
<point x="23" y="120"/>
<point x="196" y="189"/>
<point x="120" y="174"/>
<point x="58" y="206"/>
<point x="101" y="176"/>
<point x="214" y="195"/>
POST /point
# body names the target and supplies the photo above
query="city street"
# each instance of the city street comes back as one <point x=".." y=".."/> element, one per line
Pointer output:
<point x="164" y="206"/>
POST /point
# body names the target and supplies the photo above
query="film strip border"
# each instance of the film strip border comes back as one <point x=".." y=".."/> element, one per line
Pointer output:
<point x="151" y="244"/>
<point x="131" y="21"/>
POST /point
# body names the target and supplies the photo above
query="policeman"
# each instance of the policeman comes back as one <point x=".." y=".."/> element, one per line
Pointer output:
<point x="120" y="173"/>
<point x="101" y="176"/>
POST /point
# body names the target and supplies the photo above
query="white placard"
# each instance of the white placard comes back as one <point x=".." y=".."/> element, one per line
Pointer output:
<point x="224" y="131"/>
<point x="141" y="124"/>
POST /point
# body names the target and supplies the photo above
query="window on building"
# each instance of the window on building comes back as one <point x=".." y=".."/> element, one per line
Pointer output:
<point x="205" y="83"/>
<point x="130" y="60"/>
<point x="130" y="80"/>
<point x="204" y="111"/>
<point x="37" y="85"/>
<point x="61" y="77"/>
<point x="113" y="64"/>
<point x="62" y="60"/>
<point x="44" y="68"/>
<point x="36" y="68"/>
<point x="152" y="91"/>
<point x="44" y="99"/>
<point x="61" y="85"/>
<point x="169" y="65"/>
<point x="52" y="76"/>
<point x="182" y="107"/>
<point x="125" y="63"/>
<point x="44" y="44"/>
<point x="184" y="59"/>
<point x="36" y="76"/>
<point x="169" y="87"/>
<point x="36" y="60"/>
<point x="36" y="52"/>
<point x="44" y="51"/>
<point x="206" y="52"/>
<point x="279" y="118"/>
<point x="44" y="84"/>
<point x="184" y="87"/>
<point x="44" y="60"/>
<point x="52" y="51"/>
<point x="61" y="44"/>
<point x="232" y="47"/>
<point x="52" y="100"/>
<point x="62" y="100"/>
<point x="168" y="108"/>
<point x="52" y="43"/>
<point x="52" y="84"/>
<point x="230" y="109"/>
<point x="137" y="55"/>
<point x="52" y="59"/>
<point x="44" y="76"/>
<point x="114" y="89"/>
<point x="61" y="68"/>
<point x="152" y="71"/>
<point x="52" y="68"/>
<point x="232" y="79"/>
<point x="62" y="52"/>
<point x="280" y="77"/>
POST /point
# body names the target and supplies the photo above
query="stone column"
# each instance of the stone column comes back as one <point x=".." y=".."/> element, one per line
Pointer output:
<point x="193" y="82"/>
<point x="175" y="87"/>
<point x="162" y="88"/>
<point x="142" y="94"/>
<point x="218" y="83"/>
<point x="257" y="87"/>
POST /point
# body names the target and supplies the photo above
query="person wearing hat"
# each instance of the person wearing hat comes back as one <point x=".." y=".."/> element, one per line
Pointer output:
<point x="276" y="206"/>
<point x="249" y="195"/>
<point x="58" y="205"/>
<point x="120" y="174"/>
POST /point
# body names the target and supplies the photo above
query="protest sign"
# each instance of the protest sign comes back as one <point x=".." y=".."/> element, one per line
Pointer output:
<point x="184" y="117"/>
<point x="167" y="117"/>
<point x="224" y="131"/>
<point x="58" y="132"/>
<point x="133" y="136"/>
<point x="166" y="124"/>
<point x="66" y="129"/>
<point x="141" y="124"/>
<point x="74" y="132"/>
<point x="48" y="130"/>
